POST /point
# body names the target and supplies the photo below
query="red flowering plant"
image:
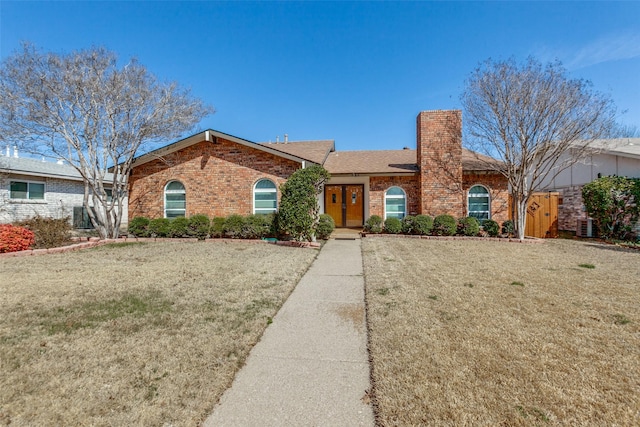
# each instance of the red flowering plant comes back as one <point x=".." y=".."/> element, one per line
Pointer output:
<point x="13" y="238"/>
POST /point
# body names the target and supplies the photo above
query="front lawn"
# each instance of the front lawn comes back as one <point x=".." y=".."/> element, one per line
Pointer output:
<point x="134" y="334"/>
<point x="492" y="333"/>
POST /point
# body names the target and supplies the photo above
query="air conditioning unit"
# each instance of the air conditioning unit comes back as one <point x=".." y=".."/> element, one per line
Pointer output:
<point x="585" y="228"/>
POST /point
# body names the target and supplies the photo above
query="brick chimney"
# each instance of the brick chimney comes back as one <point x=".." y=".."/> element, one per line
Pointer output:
<point x="439" y="147"/>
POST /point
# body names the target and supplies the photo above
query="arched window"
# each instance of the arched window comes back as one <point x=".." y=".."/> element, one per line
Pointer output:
<point x="395" y="203"/>
<point x="265" y="197"/>
<point x="175" y="200"/>
<point x="478" y="202"/>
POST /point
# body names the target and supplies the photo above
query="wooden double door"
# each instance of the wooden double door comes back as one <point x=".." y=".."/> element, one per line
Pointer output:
<point x="345" y="204"/>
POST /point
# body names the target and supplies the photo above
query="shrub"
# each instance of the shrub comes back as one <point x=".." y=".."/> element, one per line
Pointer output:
<point x="233" y="226"/>
<point x="326" y="225"/>
<point x="198" y="226"/>
<point x="423" y="224"/>
<point x="159" y="227"/>
<point x="508" y="228"/>
<point x="139" y="226"/>
<point x="257" y="226"/>
<point x="614" y="202"/>
<point x="468" y="226"/>
<point x="491" y="227"/>
<point x="14" y="238"/>
<point x="392" y="225"/>
<point x="299" y="211"/>
<point x="444" y="225"/>
<point x="178" y="227"/>
<point x="217" y="227"/>
<point x="409" y="224"/>
<point x="373" y="224"/>
<point x="48" y="232"/>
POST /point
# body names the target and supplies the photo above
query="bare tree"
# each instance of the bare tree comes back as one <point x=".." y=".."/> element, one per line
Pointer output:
<point x="82" y="108"/>
<point x="535" y="119"/>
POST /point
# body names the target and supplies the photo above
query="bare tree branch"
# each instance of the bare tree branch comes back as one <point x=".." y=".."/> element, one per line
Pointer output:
<point x="84" y="109"/>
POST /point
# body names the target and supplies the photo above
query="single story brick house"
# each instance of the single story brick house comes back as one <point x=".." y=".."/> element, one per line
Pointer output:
<point x="216" y="174"/>
<point x="30" y="187"/>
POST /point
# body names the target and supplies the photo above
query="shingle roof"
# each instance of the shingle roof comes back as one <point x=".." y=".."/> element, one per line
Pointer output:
<point x="26" y="166"/>
<point x="394" y="161"/>
<point x="314" y="151"/>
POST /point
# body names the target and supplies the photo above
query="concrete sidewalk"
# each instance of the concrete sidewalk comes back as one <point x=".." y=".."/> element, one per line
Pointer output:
<point x="311" y="366"/>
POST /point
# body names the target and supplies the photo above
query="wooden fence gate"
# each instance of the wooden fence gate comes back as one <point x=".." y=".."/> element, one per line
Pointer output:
<point x="542" y="215"/>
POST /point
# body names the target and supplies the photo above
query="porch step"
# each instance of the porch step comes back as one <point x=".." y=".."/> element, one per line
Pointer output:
<point x="346" y="234"/>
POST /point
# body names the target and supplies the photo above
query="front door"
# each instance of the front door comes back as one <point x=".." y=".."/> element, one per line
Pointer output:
<point x="345" y="204"/>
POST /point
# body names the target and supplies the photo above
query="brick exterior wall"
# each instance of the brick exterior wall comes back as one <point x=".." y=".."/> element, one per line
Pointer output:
<point x="571" y="209"/>
<point x="218" y="178"/>
<point x="498" y="192"/>
<point x="439" y="146"/>
<point x="378" y="185"/>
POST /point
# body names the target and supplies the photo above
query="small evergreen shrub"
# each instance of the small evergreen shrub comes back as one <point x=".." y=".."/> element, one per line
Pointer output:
<point x="409" y="224"/>
<point x="48" y="232"/>
<point x="468" y="226"/>
<point x="257" y="226"/>
<point x="508" y="228"/>
<point x="178" y="227"/>
<point x="217" y="227"/>
<point x="423" y="225"/>
<point x="373" y="224"/>
<point x="234" y="226"/>
<point x="14" y="238"/>
<point x="326" y="225"/>
<point x="139" y="226"/>
<point x="159" y="227"/>
<point x="491" y="227"/>
<point x="392" y="225"/>
<point x="198" y="226"/>
<point x="444" y="225"/>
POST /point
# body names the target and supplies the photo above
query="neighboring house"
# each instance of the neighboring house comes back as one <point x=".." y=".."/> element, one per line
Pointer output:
<point x="30" y="187"/>
<point x="216" y="174"/>
<point x="620" y="157"/>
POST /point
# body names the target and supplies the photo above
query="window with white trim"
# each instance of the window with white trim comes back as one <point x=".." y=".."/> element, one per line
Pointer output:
<point x="26" y="190"/>
<point x="265" y="197"/>
<point x="175" y="200"/>
<point x="395" y="203"/>
<point x="478" y="202"/>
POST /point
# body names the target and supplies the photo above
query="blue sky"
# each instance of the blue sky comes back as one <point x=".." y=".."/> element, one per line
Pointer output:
<point x="356" y="72"/>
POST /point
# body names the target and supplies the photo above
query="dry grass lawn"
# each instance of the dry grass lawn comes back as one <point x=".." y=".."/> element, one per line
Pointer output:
<point x="143" y="334"/>
<point x="485" y="333"/>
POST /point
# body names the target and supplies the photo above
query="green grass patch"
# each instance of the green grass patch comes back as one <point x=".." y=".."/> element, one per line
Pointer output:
<point x="517" y="284"/>
<point x="91" y="314"/>
<point x="586" y="265"/>
<point x="433" y="297"/>
<point x="620" y="319"/>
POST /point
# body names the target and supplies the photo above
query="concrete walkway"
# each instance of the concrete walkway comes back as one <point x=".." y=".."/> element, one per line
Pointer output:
<point x="311" y="366"/>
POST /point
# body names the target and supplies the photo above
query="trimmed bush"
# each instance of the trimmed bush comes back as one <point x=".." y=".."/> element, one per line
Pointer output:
<point x="198" y="226"/>
<point x="409" y="225"/>
<point x="444" y="225"/>
<point x="326" y="225"/>
<point x="234" y="226"/>
<point x="468" y="226"/>
<point x="217" y="227"/>
<point x="423" y="225"/>
<point x="614" y="202"/>
<point x="178" y="227"/>
<point x="257" y="226"/>
<point x="392" y="225"/>
<point x="139" y="226"/>
<point x="48" y="232"/>
<point x="159" y="227"/>
<point x="14" y="238"/>
<point x="373" y="224"/>
<point x="508" y="228"/>
<point x="491" y="227"/>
